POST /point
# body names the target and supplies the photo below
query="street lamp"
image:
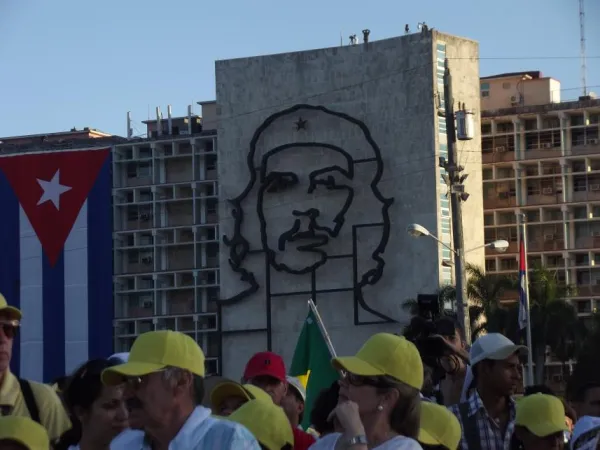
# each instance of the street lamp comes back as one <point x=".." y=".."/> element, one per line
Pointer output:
<point x="501" y="245"/>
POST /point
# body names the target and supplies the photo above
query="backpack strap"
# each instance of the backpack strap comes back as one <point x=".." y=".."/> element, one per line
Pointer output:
<point x="30" y="402"/>
<point x="470" y="428"/>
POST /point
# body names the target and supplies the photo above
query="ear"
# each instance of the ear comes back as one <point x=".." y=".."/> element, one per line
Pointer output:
<point x="300" y="407"/>
<point x="390" y="399"/>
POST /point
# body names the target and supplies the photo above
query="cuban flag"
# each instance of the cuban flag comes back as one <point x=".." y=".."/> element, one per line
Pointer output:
<point x="523" y="310"/>
<point x="56" y="258"/>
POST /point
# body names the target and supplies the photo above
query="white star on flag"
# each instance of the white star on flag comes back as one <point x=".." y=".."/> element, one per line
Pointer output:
<point x="52" y="190"/>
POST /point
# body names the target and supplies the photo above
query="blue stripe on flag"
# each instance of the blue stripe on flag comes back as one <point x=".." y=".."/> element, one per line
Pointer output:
<point x="100" y="264"/>
<point x="53" y="297"/>
<point x="10" y="285"/>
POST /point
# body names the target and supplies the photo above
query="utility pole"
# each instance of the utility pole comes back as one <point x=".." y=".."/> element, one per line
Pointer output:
<point x="456" y="190"/>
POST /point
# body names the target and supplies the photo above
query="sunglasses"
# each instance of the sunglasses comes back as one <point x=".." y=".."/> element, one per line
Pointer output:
<point x="359" y="380"/>
<point x="10" y="328"/>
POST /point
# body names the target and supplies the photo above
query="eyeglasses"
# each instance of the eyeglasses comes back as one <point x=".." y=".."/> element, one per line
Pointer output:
<point x="359" y="380"/>
<point x="10" y="328"/>
<point x="136" y="382"/>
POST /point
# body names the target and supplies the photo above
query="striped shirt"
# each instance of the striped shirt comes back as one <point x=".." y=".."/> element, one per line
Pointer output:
<point x="200" y="431"/>
<point x="490" y="434"/>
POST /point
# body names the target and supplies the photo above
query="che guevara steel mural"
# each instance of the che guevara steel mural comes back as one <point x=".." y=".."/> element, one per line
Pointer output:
<point x="301" y="188"/>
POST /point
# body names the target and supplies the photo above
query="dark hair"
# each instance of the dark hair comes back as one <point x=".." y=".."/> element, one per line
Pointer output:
<point x="82" y="389"/>
<point x="538" y="389"/>
<point x="325" y="402"/>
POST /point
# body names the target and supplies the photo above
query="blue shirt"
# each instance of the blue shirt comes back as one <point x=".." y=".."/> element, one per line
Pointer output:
<point x="200" y="431"/>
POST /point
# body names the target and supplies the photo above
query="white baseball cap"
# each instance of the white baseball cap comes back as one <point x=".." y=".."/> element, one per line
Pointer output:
<point x="121" y="358"/>
<point x="494" y="346"/>
<point x="297" y="386"/>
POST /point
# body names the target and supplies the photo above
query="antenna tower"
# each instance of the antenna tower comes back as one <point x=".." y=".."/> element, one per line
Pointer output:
<point x="582" y="46"/>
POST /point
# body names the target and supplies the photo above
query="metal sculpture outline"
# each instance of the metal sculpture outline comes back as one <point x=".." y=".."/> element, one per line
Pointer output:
<point x="240" y="249"/>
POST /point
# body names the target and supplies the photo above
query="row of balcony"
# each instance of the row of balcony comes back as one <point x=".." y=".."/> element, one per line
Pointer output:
<point x="179" y="214"/>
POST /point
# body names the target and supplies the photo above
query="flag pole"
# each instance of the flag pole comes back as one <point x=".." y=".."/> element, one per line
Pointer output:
<point x="527" y="305"/>
<point x="322" y="328"/>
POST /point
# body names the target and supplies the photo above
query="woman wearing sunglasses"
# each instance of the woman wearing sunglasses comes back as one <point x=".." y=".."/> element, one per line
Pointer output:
<point x="379" y="403"/>
<point x="98" y="412"/>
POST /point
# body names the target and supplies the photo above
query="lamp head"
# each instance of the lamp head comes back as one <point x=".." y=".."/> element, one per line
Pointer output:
<point x="416" y="230"/>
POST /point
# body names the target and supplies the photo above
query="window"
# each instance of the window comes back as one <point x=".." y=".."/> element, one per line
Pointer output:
<point x="485" y="89"/>
<point x="144" y="170"/>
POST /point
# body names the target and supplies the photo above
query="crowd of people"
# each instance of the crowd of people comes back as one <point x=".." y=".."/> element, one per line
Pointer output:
<point x="158" y="397"/>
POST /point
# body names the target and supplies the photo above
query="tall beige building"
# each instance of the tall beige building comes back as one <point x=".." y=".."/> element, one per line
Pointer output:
<point x="166" y="233"/>
<point x="541" y="158"/>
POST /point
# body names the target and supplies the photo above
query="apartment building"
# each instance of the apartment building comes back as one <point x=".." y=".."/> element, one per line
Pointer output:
<point x="541" y="158"/>
<point x="166" y="232"/>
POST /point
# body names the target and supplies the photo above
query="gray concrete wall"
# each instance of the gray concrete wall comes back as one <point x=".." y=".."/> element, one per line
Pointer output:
<point x="464" y="65"/>
<point x="389" y="87"/>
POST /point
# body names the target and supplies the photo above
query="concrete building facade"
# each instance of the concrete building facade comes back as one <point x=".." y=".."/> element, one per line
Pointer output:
<point x="541" y="158"/>
<point x="166" y="234"/>
<point x="325" y="157"/>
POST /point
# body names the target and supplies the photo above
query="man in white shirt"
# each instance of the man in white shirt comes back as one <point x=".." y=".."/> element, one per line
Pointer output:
<point x="164" y="379"/>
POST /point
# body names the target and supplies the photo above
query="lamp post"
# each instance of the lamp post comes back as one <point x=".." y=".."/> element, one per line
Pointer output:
<point x="460" y="274"/>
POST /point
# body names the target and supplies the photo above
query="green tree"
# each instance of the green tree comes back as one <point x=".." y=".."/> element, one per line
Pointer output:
<point x="485" y="293"/>
<point x="554" y="321"/>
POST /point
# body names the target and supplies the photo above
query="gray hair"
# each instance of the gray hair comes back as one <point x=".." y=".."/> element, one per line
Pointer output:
<point x="174" y="373"/>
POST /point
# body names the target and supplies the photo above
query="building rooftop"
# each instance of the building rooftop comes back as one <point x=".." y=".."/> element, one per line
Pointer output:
<point x="533" y="74"/>
<point x="91" y="131"/>
<point x="541" y="109"/>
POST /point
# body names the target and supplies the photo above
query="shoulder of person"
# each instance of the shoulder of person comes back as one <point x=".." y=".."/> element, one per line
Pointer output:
<point x="53" y="414"/>
<point x="327" y="441"/>
<point x="127" y="439"/>
<point x="233" y="433"/>
<point x="44" y="393"/>
<point x="400" y="443"/>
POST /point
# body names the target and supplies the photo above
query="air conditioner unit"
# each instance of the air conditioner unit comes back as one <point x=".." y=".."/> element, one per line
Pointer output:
<point x="501" y="149"/>
<point x="594" y="187"/>
<point x="144" y="216"/>
<point x="592" y="141"/>
<point x="548" y="237"/>
<point x="547" y="191"/>
<point x="596" y="233"/>
<point x="547" y="144"/>
<point x="147" y="259"/>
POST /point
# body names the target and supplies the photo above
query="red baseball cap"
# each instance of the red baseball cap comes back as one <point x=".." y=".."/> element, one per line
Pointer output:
<point x="265" y="364"/>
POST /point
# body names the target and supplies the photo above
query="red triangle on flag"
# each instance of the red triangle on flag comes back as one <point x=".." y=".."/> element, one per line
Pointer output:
<point x="51" y="188"/>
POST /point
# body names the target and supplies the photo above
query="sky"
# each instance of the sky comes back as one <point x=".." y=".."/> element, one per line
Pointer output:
<point x="74" y="63"/>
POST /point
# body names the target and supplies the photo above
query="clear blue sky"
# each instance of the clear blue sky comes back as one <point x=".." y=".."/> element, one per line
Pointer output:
<point x="66" y="63"/>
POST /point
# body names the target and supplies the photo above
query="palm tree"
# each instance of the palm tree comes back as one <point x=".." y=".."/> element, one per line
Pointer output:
<point x="554" y="321"/>
<point x="485" y="293"/>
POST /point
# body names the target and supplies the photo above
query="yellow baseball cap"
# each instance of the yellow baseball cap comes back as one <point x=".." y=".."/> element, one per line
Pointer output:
<point x="12" y="312"/>
<point x="385" y="354"/>
<point x="267" y="422"/>
<point x="228" y="389"/>
<point x="155" y="350"/>
<point x="24" y="431"/>
<point x="439" y="426"/>
<point x="541" y="414"/>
